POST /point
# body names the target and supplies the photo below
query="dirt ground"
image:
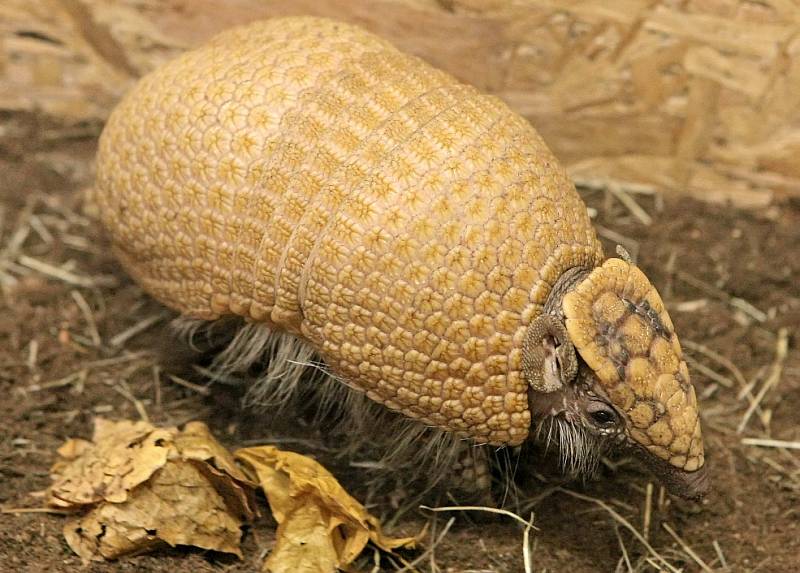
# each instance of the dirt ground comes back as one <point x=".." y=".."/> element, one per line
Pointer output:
<point x="69" y="351"/>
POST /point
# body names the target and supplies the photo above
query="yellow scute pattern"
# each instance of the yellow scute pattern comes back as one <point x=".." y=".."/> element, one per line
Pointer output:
<point x="304" y="173"/>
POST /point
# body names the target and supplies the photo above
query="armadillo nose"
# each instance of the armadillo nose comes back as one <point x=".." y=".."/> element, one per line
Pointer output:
<point x="692" y="485"/>
<point x="688" y="485"/>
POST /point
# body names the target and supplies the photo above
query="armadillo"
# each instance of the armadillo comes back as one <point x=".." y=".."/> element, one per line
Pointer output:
<point x="417" y="234"/>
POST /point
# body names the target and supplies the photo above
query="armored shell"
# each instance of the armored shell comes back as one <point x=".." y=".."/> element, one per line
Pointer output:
<point x="305" y="174"/>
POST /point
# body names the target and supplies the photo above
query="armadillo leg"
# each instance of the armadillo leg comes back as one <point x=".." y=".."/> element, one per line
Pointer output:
<point x="471" y="481"/>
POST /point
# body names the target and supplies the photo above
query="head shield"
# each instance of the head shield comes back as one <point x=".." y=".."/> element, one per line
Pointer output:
<point x="619" y="326"/>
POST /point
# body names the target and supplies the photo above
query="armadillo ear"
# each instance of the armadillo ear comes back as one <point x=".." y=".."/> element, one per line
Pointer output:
<point x="548" y="357"/>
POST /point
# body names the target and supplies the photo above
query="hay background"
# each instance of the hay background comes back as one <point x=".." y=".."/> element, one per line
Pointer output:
<point x="698" y="97"/>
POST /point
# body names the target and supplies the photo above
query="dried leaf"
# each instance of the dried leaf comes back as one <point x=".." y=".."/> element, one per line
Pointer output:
<point x="73" y="448"/>
<point x="320" y="526"/>
<point x="149" y="486"/>
<point x="178" y="506"/>
<point x="197" y="444"/>
<point x="122" y="455"/>
<point x="304" y="543"/>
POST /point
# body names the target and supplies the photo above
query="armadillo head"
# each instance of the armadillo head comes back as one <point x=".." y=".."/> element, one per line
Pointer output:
<point x="606" y="362"/>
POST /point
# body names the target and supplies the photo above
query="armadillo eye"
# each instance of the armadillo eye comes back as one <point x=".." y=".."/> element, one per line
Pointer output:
<point x="603" y="417"/>
<point x="602" y="414"/>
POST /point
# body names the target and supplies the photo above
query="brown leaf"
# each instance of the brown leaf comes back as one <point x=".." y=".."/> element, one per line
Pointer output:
<point x="149" y="486"/>
<point x="122" y="455"/>
<point x="320" y="526"/>
<point x="197" y="444"/>
<point x="177" y="506"/>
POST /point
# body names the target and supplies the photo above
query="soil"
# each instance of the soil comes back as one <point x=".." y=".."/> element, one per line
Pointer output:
<point x="705" y="259"/>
